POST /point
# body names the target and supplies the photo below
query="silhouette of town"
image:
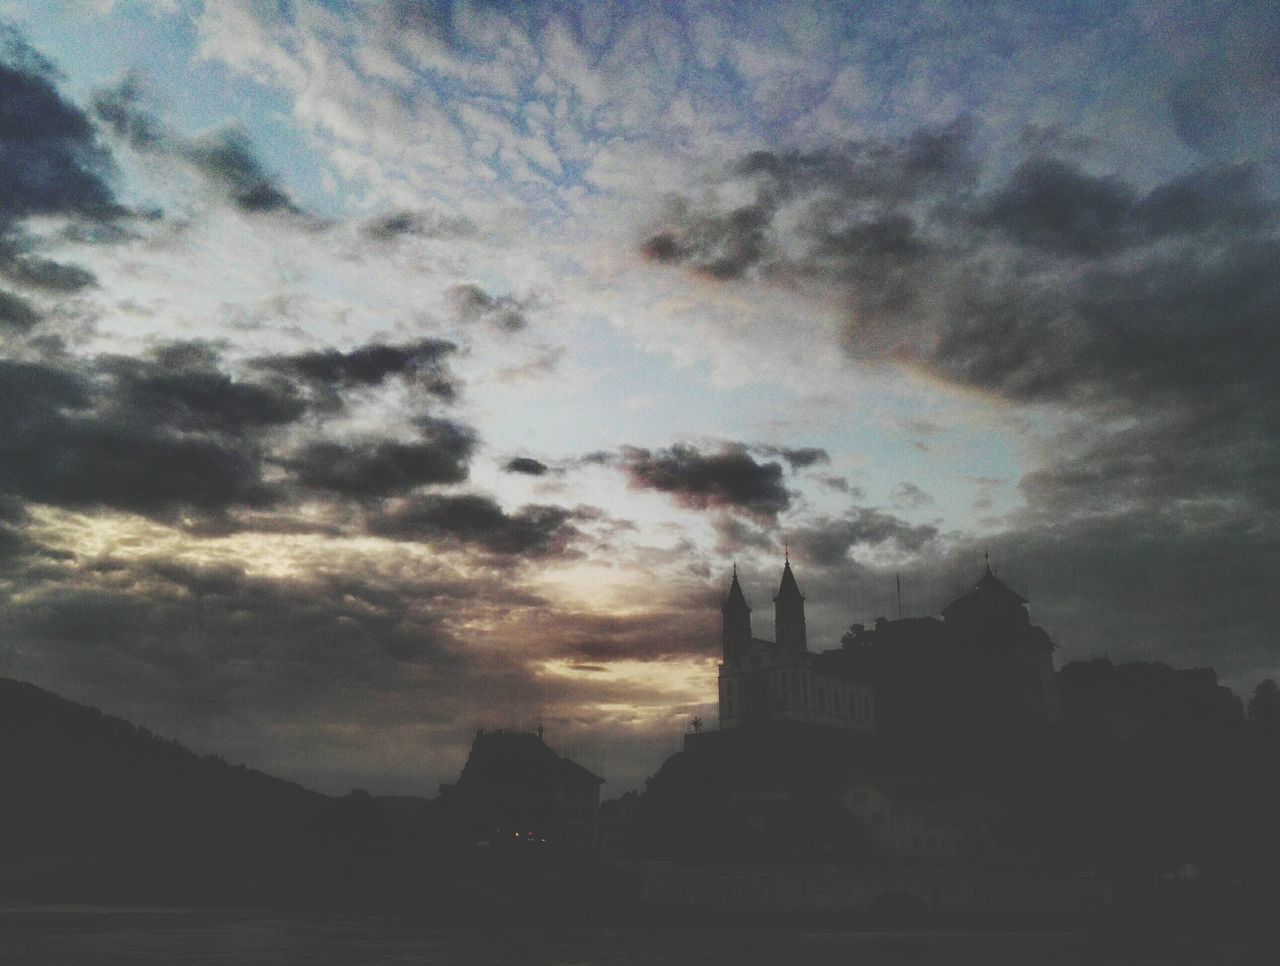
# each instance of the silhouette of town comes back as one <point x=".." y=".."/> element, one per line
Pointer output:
<point x="927" y="771"/>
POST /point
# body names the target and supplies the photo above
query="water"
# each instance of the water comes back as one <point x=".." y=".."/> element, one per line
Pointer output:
<point x="101" y="936"/>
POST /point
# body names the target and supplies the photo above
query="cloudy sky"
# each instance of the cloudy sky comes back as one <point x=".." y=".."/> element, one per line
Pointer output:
<point x="371" y="372"/>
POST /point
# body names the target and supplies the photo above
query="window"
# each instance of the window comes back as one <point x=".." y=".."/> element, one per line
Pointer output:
<point x="866" y="709"/>
<point x="822" y="699"/>
<point x="835" y="702"/>
<point x="728" y="708"/>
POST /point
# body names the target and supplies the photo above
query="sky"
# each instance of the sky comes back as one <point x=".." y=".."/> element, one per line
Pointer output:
<point x="375" y="372"/>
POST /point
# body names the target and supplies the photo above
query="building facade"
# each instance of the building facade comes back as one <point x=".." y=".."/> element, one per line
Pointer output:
<point x="782" y="680"/>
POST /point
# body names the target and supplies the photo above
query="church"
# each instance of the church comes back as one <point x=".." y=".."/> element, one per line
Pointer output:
<point x="782" y="680"/>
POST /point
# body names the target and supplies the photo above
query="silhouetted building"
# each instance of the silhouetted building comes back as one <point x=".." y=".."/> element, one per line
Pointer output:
<point x="982" y="668"/>
<point x="1124" y="701"/>
<point x="515" y="790"/>
<point x="618" y="823"/>
<point x="782" y="680"/>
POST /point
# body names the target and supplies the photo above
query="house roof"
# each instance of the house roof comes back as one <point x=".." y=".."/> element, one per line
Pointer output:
<point x="508" y="757"/>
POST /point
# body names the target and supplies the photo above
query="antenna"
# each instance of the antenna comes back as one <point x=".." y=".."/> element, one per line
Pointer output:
<point x="898" y="577"/>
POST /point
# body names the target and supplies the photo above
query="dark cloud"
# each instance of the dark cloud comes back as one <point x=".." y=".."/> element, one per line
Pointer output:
<point x="16" y="313"/>
<point x="527" y="466"/>
<point x="67" y="441"/>
<point x="51" y="165"/>
<point x="727" y="478"/>
<point x="801" y="457"/>
<point x="734" y="535"/>
<point x="50" y="161"/>
<point x="125" y="108"/>
<point x="828" y="540"/>
<point x="1054" y="206"/>
<point x="1052" y="284"/>
<point x="841" y="485"/>
<point x="723" y="246"/>
<point x="854" y="195"/>
<point x="419" y="224"/>
<point x="225" y="159"/>
<point x="31" y="271"/>
<point x="908" y="496"/>
<point x="175" y="435"/>
<point x="531" y="531"/>
<point x="329" y="372"/>
<point x="474" y="304"/>
<point x="182" y="385"/>
<point x="381" y="467"/>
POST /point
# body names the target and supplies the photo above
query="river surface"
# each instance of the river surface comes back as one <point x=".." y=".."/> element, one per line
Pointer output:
<point x="98" y="936"/>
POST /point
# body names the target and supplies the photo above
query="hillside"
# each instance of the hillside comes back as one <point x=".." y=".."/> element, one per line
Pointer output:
<point x="98" y="809"/>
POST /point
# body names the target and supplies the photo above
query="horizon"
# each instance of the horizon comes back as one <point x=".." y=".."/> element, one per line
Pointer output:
<point x="371" y="373"/>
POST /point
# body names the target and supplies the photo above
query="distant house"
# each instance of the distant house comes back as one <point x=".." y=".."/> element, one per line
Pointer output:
<point x="618" y="823"/>
<point x="514" y="790"/>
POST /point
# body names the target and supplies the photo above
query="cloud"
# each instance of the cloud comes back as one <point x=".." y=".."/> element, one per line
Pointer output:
<point x="225" y="159"/>
<point x="526" y="466"/>
<point x="1049" y="285"/>
<point x="474" y="304"/>
<point x="68" y="440"/>
<point x="329" y="372"/>
<point x="419" y="224"/>
<point x="174" y="431"/>
<point x="181" y="385"/>
<point x="479" y="521"/>
<point x="728" y="478"/>
<point x="734" y="535"/>
<point x="370" y="468"/>
<point x="908" y="496"/>
<point x="51" y="166"/>
<point x="827" y="540"/>
<point x="16" y="313"/>
<point x="50" y="161"/>
<point x="42" y="274"/>
<point x="800" y="458"/>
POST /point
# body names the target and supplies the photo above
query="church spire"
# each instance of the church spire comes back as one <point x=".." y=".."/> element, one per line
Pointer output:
<point x="737" y="619"/>
<point x="788" y="610"/>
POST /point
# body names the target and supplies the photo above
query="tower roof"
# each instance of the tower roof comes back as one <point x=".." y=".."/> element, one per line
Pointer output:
<point x="736" y="599"/>
<point x="788" y="589"/>
<point x="991" y="595"/>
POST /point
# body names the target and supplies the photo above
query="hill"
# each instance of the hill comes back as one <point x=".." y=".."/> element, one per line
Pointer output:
<point x="98" y="809"/>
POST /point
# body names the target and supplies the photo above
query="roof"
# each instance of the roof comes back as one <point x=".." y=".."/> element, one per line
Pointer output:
<point x="736" y="600"/>
<point x="509" y="757"/>
<point x="788" y="589"/>
<point x="991" y="594"/>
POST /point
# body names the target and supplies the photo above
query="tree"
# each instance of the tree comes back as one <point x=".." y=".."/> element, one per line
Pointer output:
<point x="1264" y="706"/>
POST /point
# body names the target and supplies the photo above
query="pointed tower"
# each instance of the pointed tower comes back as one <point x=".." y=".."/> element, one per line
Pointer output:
<point x="737" y="619"/>
<point x="788" y="612"/>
